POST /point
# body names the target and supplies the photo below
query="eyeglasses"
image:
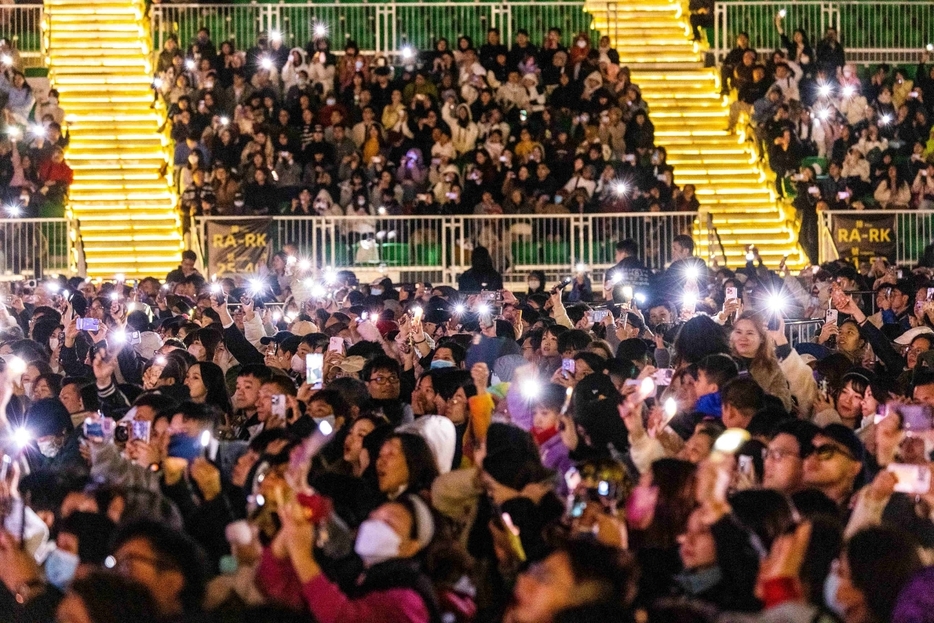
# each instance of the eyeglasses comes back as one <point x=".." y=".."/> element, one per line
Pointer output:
<point x="384" y="380"/>
<point x="777" y="454"/>
<point x="826" y="451"/>
<point x="123" y="563"/>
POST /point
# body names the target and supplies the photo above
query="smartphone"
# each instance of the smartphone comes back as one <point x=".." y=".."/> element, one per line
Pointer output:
<point x="663" y="376"/>
<point x="572" y="478"/>
<point x="314" y="369"/>
<point x="185" y="447"/>
<point x="915" y="418"/>
<point x="842" y="195"/>
<point x="930" y="294"/>
<point x="93" y="429"/>
<point x="831" y="316"/>
<point x="336" y="345"/>
<point x="912" y="479"/>
<point x="88" y="324"/>
<point x="731" y="294"/>
<point x="600" y="314"/>
<point x="568" y="365"/>
<point x="140" y="430"/>
<point x="277" y="402"/>
<point x="133" y="338"/>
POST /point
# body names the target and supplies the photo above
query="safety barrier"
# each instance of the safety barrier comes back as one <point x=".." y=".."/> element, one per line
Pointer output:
<point x="22" y="25"/>
<point x="799" y="331"/>
<point x="908" y="232"/>
<point x="383" y="27"/>
<point x="437" y="249"/>
<point x="870" y="32"/>
<point x="40" y="246"/>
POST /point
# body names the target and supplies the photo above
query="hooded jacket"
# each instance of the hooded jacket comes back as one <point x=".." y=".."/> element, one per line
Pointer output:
<point x="463" y="135"/>
<point x="290" y="70"/>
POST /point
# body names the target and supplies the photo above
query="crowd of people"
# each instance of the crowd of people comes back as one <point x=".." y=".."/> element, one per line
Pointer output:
<point x="834" y="138"/>
<point x="34" y="177"/>
<point x="464" y="129"/>
<point x="301" y="446"/>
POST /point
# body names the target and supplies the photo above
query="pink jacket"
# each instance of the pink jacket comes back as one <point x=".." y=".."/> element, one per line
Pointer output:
<point x="328" y="604"/>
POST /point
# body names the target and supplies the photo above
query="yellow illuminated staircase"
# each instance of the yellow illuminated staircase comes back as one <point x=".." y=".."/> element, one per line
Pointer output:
<point x="99" y="61"/>
<point x="690" y="117"/>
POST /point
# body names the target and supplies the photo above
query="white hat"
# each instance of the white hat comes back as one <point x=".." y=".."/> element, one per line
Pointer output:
<point x="440" y="435"/>
<point x="906" y="338"/>
<point x="149" y="343"/>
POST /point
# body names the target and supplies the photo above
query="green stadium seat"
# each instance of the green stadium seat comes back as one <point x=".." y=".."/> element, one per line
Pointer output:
<point x="394" y="254"/>
<point x="819" y="164"/>
<point x="556" y="253"/>
<point x="426" y="255"/>
<point x="524" y="252"/>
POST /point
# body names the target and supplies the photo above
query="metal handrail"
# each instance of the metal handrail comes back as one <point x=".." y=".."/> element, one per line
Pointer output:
<point x="438" y="248"/>
<point x="893" y="31"/>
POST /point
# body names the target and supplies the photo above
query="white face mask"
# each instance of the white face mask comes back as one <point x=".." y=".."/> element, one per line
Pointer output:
<point x="53" y="343"/>
<point x="582" y="44"/>
<point x="376" y="542"/>
<point x="28" y="387"/>
<point x="534" y="285"/>
<point x="60" y="567"/>
<point x="298" y="364"/>
<point x="49" y="448"/>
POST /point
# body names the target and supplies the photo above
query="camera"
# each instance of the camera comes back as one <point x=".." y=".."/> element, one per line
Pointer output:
<point x="122" y="432"/>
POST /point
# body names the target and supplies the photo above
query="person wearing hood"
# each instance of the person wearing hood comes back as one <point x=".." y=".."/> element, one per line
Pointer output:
<point x="513" y="93"/>
<point x="54" y="440"/>
<point x="393" y="586"/>
<point x="464" y="131"/>
<point x="297" y="62"/>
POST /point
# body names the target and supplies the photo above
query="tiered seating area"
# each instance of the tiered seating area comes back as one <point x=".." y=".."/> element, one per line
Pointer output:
<point x="127" y="212"/>
<point x="690" y="119"/>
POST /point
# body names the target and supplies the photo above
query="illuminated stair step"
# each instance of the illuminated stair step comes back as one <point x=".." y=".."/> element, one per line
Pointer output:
<point x="103" y="29"/>
<point x="116" y="144"/>
<point x="75" y="81"/>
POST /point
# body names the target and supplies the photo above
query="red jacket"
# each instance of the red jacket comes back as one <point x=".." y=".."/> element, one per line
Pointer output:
<point x="277" y="579"/>
<point x="59" y="173"/>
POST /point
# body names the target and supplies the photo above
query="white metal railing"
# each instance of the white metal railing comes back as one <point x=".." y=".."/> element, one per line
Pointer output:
<point x="799" y="331"/>
<point x="912" y="231"/>
<point x="22" y="25"/>
<point x="38" y="245"/>
<point x="870" y="32"/>
<point x="383" y="27"/>
<point x="438" y="248"/>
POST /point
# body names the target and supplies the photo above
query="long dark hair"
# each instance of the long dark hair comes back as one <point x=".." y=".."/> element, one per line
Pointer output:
<point x="698" y="337"/>
<point x="213" y="378"/>
<point x="419" y="460"/>
<point x="480" y="260"/>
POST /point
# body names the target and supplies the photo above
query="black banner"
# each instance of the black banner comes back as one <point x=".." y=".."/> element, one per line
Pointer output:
<point x="862" y="236"/>
<point x="237" y="247"/>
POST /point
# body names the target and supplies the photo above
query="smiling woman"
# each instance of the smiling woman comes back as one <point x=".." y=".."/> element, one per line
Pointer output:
<point x="755" y="348"/>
